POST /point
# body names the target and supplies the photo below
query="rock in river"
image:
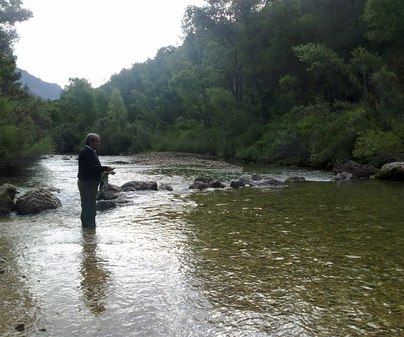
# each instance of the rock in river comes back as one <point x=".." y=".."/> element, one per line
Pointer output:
<point x="139" y="186"/>
<point x="357" y="170"/>
<point x="36" y="201"/>
<point x="392" y="171"/>
<point x="7" y="194"/>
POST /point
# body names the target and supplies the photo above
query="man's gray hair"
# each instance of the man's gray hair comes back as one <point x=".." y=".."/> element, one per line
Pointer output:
<point x="91" y="137"/>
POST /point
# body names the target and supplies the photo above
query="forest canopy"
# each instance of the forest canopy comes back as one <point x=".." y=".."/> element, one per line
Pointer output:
<point x="302" y="82"/>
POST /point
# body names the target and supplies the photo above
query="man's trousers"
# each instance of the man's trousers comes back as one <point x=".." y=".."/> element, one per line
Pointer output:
<point x="88" y="194"/>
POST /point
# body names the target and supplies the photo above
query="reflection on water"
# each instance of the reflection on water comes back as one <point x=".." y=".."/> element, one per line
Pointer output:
<point x="95" y="276"/>
<point x="313" y="259"/>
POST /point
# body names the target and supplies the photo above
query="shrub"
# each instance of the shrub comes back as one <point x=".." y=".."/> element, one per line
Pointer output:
<point x="378" y="147"/>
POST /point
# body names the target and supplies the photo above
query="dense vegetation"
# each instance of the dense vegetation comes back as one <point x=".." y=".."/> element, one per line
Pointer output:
<point x="307" y="82"/>
<point x="24" y="122"/>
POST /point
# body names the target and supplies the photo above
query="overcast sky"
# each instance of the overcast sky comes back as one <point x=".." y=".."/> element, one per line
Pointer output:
<point x="93" y="39"/>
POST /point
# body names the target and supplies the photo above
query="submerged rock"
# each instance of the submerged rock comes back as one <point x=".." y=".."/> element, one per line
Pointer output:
<point x="293" y="180"/>
<point x="114" y="188"/>
<point x="103" y="205"/>
<point x="36" y="201"/>
<point x="343" y="176"/>
<point x="270" y="182"/>
<point x="199" y="185"/>
<point x="7" y="194"/>
<point x="107" y="194"/>
<point x="165" y="187"/>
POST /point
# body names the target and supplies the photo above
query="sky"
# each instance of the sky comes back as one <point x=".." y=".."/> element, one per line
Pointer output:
<point x="94" y="39"/>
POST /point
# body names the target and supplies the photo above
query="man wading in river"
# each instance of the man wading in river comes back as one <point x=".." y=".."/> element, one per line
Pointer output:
<point x="89" y="176"/>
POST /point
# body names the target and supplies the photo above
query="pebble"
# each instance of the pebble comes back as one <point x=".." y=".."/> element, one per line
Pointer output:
<point x="20" y="327"/>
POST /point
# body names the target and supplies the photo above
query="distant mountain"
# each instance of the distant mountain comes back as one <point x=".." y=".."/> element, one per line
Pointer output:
<point x="40" y="88"/>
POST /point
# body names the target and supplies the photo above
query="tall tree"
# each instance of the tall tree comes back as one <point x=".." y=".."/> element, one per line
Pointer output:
<point x="386" y="28"/>
<point x="11" y="12"/>
<point x="117" y="110"/>
<point x="78" y="113"/>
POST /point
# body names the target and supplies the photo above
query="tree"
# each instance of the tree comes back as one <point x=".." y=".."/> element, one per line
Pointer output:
<point x="78" y="113"/>
<point x="192" y="86"/>
<point x="328" y="68"/>
<point x="23" y="126"/>
<point x="117" y="110"/>
<point x="385" y="19"/>
<point x="78" y="104"/>
<point x="10" y="13"/>
<point x="363" y="65"/>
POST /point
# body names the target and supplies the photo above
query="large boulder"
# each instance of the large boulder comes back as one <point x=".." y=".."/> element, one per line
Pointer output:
<point x="36" y="201"/>
<point x="391" y="171"/>
<point x="7" y="194"/>
<point x="357" y="170"/>
<point x="139" y="186"/>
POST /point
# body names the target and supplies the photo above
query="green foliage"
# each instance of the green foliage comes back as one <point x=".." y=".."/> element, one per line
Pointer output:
<point x="287" y="81"/>
<point x="8" y="146"/>
<point x="117" y="111"/>
<point x="42" y="146"/>
<point x="331" y="73"/>
<point x="77" y="103"/>
<point x="363" y="65"/>
<point x="20" y="139"/>
<point x="10" y="13"/>
<point x="67" y="138"/>
<point x="378" y="147"/>
<point x="385" y="20"/>
<point x="316" y="135"/>
<point x="389" y="96"/>
<point x="187" y="135"/>
<point x="288" y="93"/>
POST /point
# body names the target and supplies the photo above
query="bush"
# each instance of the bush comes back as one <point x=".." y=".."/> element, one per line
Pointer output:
<point x="43" y="146"/>
<point x="378" y="147"/>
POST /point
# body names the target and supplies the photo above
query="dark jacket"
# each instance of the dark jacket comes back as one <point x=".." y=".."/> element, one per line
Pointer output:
<point x="90" y="167"/>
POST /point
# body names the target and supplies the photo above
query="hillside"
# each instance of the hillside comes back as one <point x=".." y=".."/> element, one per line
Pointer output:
<point x="40" y="88"/>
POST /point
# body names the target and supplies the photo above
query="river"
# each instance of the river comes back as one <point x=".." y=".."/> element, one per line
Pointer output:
<point x="320" y="258"/>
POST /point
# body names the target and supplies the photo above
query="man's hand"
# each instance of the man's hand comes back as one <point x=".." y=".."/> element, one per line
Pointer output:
<point x="110" y="170"/>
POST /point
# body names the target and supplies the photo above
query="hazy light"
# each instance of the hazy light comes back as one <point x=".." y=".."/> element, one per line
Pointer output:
<point x="93" y="39"/>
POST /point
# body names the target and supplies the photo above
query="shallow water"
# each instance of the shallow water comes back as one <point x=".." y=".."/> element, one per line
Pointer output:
<point x="314" y="259"/>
